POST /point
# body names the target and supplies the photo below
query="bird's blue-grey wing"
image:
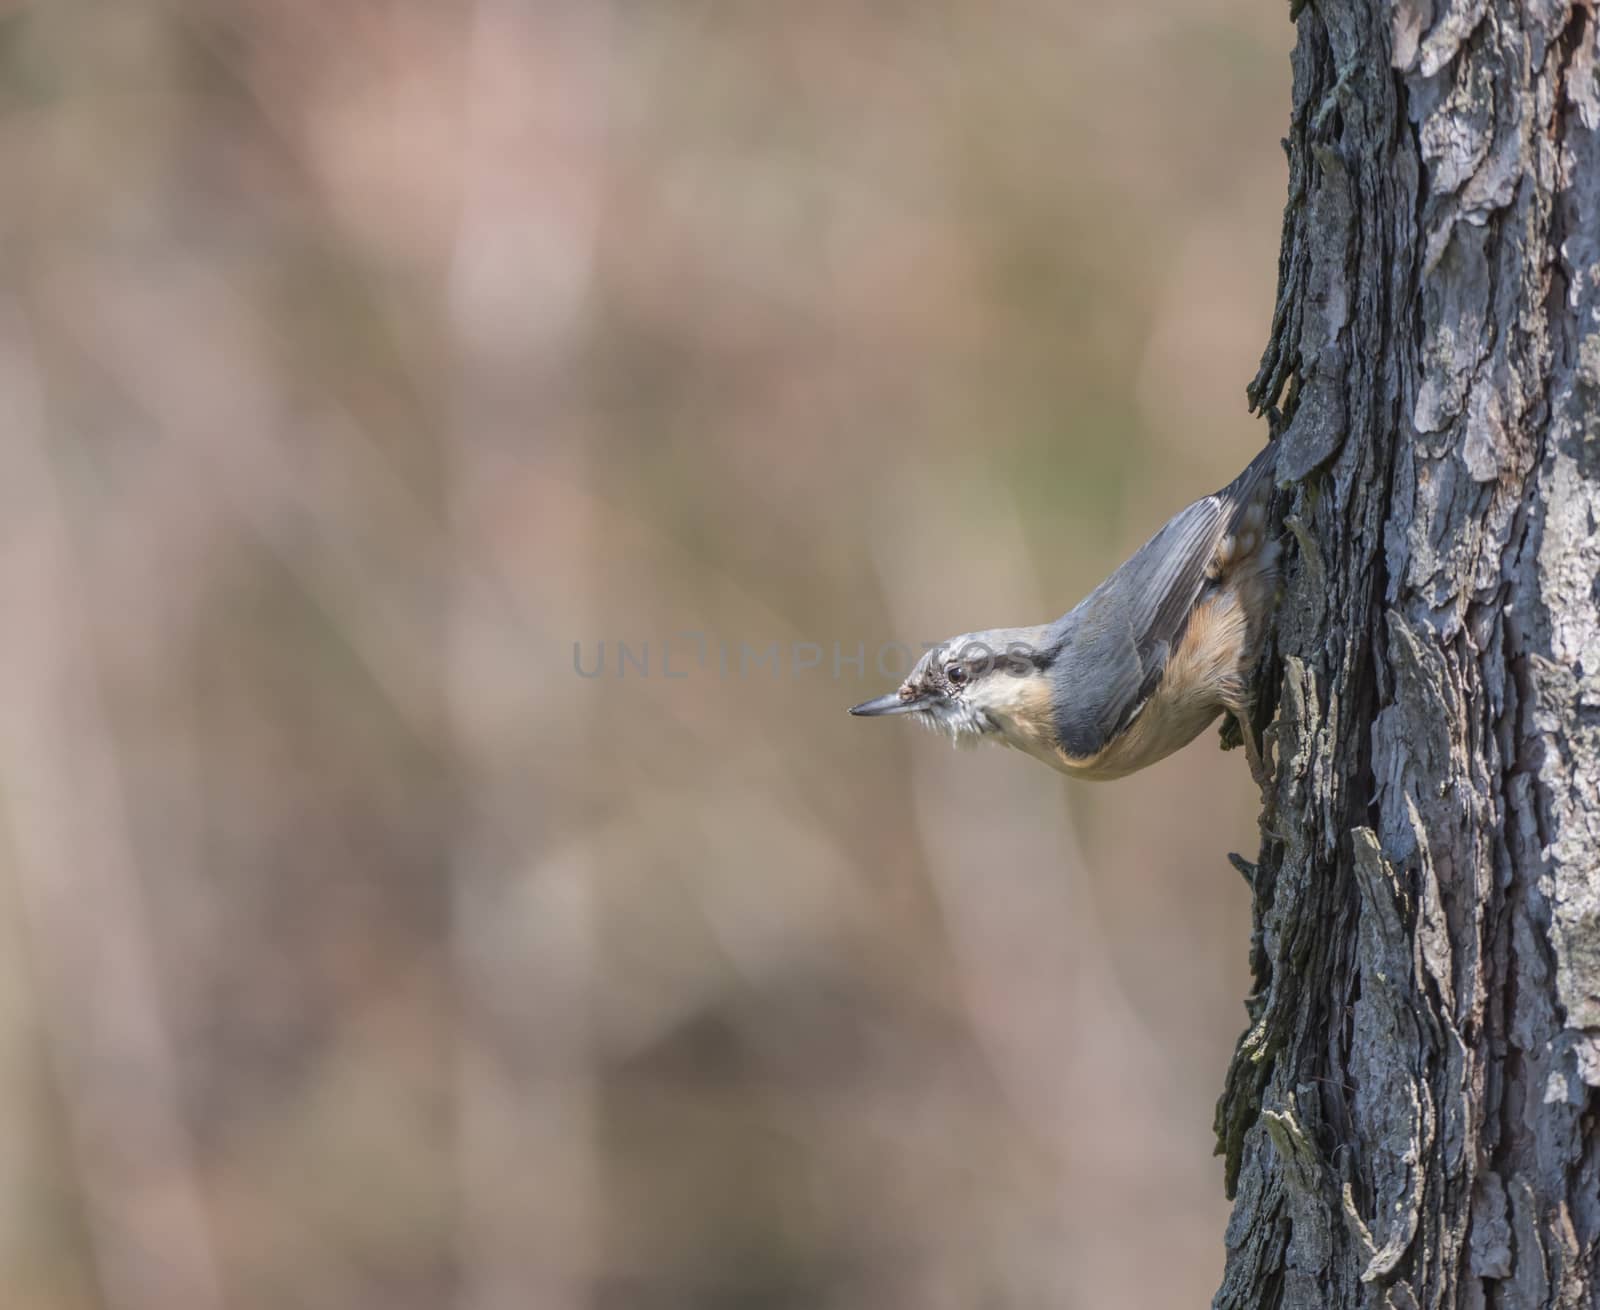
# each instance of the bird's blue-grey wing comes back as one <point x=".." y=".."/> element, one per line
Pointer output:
<point x="1113" y="648"/>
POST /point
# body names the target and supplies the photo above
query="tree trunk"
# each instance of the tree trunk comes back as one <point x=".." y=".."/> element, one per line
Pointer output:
<point x="1410" y="1119"/>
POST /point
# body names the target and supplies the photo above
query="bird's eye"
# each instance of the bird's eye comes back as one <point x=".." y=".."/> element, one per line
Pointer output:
<point x="955" y="675"/>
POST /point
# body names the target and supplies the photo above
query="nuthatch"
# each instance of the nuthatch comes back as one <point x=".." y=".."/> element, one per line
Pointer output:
<point x="1141" y="666"/>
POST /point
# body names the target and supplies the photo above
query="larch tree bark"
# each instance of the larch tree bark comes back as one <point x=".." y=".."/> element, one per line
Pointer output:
<point x="1410" y="1118"/>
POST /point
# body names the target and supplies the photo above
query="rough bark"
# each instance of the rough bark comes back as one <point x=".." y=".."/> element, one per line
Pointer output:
<point x="1410" y="1119"/>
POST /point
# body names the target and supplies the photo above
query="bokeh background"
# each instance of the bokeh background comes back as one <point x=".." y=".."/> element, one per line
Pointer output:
<point x="363" y="363"/>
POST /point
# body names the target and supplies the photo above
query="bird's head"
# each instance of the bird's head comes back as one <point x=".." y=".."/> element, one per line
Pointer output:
<point x="981" y="684"/>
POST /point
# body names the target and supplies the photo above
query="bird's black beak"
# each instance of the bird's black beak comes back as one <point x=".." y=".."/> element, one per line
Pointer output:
<point x="890" y="704"/>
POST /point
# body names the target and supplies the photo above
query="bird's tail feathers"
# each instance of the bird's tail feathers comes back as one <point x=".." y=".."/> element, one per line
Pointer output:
<point x="1254" y="484"/>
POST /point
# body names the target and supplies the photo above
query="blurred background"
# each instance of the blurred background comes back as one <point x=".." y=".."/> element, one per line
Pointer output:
<point x="376" y="931"/>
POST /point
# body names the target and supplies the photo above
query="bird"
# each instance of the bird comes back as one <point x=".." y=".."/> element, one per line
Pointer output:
<point x="1139" y="668"/>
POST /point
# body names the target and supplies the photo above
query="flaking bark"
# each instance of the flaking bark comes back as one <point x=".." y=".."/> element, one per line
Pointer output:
<point x="1410" y="1119"/>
